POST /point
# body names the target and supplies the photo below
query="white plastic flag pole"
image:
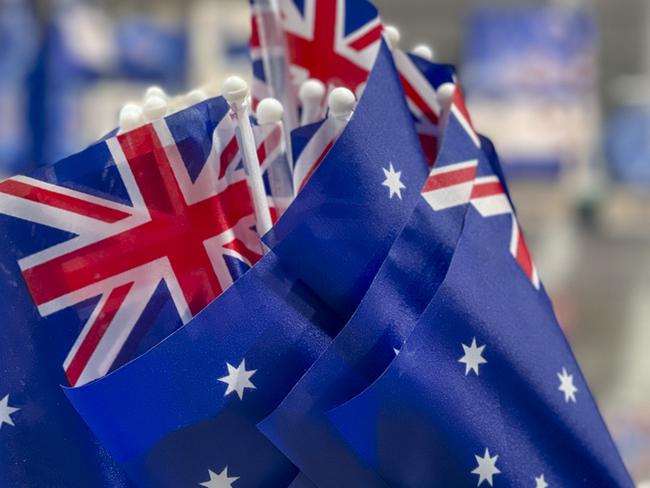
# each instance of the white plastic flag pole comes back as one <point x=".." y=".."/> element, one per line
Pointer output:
<point x="445" y="94"/>
<point x="269" y="118"/>
<point x="392" y="36"/>
<point x="235" y="91"/>
<point x="341" y="103"/>
<point x="311" y="96"/>
<point x="423" y="51"/>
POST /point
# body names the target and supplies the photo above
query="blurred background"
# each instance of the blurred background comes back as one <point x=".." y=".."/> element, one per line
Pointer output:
<point x="562" y="87"/>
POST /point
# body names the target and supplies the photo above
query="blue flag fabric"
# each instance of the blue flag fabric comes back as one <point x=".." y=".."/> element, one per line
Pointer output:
<point x="186" y="411"/>
<point x="405" y="284"/>
<point x="43" y="442"/>
<point x="485" y="390"/>
<point x="337" y="213"/>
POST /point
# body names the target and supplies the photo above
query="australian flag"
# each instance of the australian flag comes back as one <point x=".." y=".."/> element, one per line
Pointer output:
<point x="453" y="371"/>
<point x="186" y="412"/>
<point x="104" y="254"/>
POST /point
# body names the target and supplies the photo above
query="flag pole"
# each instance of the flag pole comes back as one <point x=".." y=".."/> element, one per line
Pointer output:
<point x="341" y="103"/>
<point x="393" y="36"/>
<point x="235" y="91"/>
<point x="270" y="113"/>
<point x="311" y="96"/>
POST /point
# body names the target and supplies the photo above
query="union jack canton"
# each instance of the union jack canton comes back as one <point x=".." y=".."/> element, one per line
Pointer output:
<point x="153" y="219"/>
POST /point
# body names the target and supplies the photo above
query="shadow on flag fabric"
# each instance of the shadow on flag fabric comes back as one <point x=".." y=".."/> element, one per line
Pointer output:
<point x="185" y="412"/>
<point x="104" y="254"/>
<point x="485" y="391"/>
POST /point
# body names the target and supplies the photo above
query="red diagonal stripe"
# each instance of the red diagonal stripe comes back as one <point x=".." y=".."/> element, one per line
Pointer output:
<point x="419" y="102"/>
<point x="269" y="145"/>
<point x="96" y="332"/>
<point x="449" y="178"/>
<point x="61" y="201"/>
<point x="523" y="255"/>
<point x="228" y="156"/>
<point x="367" y="39"/>
<point x="316" y="165"/>
<point x="241" y="248"/>
<point x="429" y="145"/>
<point x="487" y="189"/>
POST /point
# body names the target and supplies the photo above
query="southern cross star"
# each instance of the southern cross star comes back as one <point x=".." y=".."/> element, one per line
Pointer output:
<point x="221" y="480"/>
<point x="566" y="386"/>
<point x="393" y="182"/>
<point x="473" y="357"/>
<point x="238" y="379"/>
<point x="540" y="482"/>
<point x="5" y="412"/>
<point x="486" y="468"/>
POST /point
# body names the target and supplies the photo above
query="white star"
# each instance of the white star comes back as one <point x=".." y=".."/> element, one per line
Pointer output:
<point x="566" y="386"/>
<point x="6" y="411"/>
<point x="238" y="379"/>
<point x="220" y="480"/>
<point x="486" y="467"/>
<point x="393" y="182"/>
<point x="473" y="357"/>
<point x="540" y="482"/>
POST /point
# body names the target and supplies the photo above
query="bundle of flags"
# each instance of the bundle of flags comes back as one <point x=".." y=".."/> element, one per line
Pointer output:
<point x="391" y="329"/>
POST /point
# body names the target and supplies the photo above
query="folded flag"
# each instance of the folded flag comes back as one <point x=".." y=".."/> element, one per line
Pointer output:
<point x="186" y="411"/>
<point x="106" y="253"/>
<point x="486" y="389"/>
<point x="404" y="285"/>
<point x="340" y="212"/>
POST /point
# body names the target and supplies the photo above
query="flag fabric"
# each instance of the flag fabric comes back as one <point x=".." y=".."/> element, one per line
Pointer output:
<point x="334" y="41"/>
<point x="310" y="145"/>
<point x="421" y="79"/>
<point x="269" y="58"/>
<point x="348" y="418"/>
<point x="404" y="285"/>
<point x="224" y="371"/>
<point x="105" y="254"/>
<point x="485" y="390"/>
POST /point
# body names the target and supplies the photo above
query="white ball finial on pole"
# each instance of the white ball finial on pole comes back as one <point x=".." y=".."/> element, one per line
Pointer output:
<point x="235" y="91"/>
<point x="445" y="95"/>
<point x="155" y="91"/>
<point x="311" y="96"/>
<point x="193" y="97"/>
<point x="269" y="119"/>
<point x="341" y="103"/>
<point x="130" y="117"/>
<point x="269" y="111"/>
<point x="392" y="36"/>
<point x="154" y="107"/>
<point x="423" y="51"/>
